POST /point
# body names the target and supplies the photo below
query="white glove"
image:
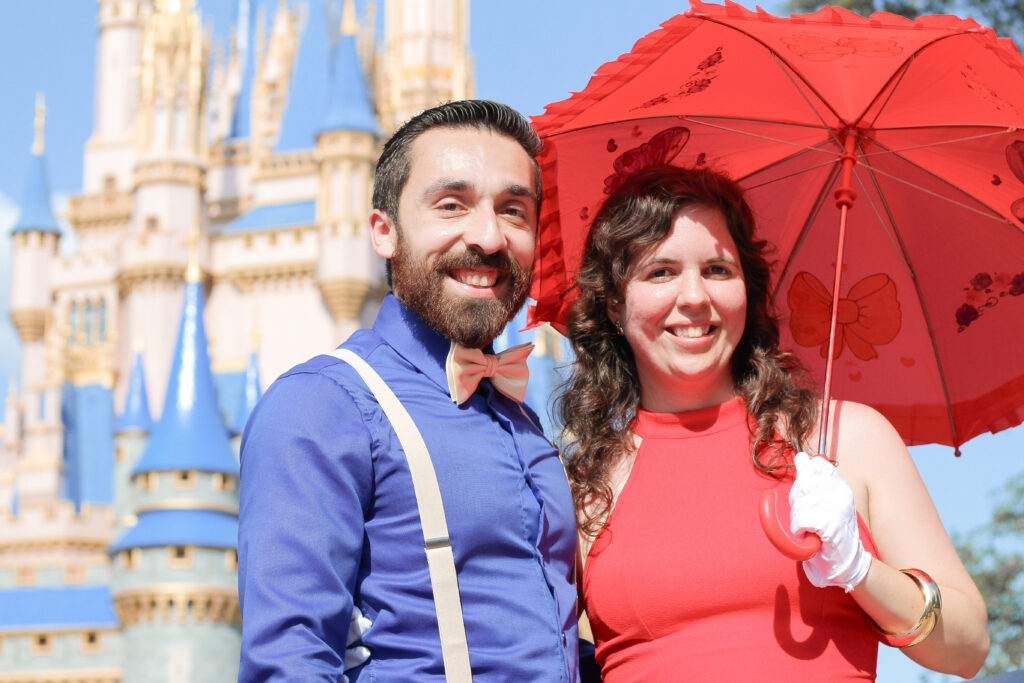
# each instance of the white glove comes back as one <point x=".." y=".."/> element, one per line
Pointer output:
<point x="356" y="654"/>
<point x="822" y="502"/>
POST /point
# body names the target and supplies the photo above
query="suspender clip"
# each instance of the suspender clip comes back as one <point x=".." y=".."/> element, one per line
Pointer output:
<point x="438" y="542"/>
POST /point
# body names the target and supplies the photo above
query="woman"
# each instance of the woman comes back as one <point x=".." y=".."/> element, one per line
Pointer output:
<point x="678" y="376"/>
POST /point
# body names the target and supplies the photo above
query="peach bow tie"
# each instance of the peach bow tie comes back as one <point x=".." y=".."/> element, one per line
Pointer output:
<point x="509" y="374"/>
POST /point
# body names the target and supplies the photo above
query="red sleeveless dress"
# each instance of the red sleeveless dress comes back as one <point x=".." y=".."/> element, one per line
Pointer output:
<point x="682" y="584"/>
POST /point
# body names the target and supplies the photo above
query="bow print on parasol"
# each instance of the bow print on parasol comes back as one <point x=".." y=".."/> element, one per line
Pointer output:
<point x="884" y="160"/>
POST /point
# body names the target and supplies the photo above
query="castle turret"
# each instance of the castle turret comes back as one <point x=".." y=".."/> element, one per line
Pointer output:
<point x="33" y="250"/>
<point x="131" y="432"/>
<point x="426" y="59"/>
<point x="175" y="569"/>
<point x="110" y="152"/>
<point x="247" y="400"/>
<point x="346" y="149"/>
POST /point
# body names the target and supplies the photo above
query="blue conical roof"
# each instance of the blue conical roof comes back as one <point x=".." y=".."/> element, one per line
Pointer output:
<point x="250" y="395"/>
<point x="240" y="121"/>
<point x="136" y="415"/>
<point x="348" y="105"/>
<point x="191" y="434"/>
<point x="307" y="90"/>
<point x="36" y="214"/>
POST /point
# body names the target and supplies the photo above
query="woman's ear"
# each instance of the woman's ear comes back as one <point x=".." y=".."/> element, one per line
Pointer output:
<point x="614" y="310"/>
<point x="383" y="233"/>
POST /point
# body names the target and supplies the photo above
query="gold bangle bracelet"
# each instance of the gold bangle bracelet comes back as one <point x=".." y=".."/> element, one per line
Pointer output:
<point x="924" y="626"/>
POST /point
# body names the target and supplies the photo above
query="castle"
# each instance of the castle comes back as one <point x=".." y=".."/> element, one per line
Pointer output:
<point x="222" y="238"/>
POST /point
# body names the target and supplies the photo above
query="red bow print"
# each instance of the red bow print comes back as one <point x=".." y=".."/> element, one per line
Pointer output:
<point x="869" y="315"/>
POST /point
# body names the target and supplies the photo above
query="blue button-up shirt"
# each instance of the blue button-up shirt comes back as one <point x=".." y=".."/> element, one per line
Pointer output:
<point x="328" y="519"/>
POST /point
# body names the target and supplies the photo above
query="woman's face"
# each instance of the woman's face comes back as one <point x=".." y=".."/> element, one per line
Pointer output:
<point x="683" y="313"/>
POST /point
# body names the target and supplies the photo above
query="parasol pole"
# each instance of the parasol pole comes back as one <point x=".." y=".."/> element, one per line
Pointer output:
<point x="845" y="196"/>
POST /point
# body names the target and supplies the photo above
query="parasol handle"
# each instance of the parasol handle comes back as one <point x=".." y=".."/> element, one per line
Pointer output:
<point x="845" y="196"/>
<point x="795" y="548"/>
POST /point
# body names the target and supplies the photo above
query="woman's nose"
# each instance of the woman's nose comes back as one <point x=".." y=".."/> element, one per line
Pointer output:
<point x="692" y="290"/>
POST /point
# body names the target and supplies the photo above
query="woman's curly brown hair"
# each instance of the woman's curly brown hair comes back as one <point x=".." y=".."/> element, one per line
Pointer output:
<point x="602" y="394"/>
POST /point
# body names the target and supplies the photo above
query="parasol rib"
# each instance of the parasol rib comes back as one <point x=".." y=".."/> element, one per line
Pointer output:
<point x="872" y="173"/>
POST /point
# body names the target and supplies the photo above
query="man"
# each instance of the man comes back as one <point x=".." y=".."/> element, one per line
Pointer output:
<point x="328" y="516"/>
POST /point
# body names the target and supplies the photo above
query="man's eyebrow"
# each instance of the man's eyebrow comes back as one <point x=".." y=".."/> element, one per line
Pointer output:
<point x="446" y="185"/>
<point x="517" y="190"/>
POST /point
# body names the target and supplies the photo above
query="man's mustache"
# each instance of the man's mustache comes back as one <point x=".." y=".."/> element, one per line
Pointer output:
<point x="470" y="258"/>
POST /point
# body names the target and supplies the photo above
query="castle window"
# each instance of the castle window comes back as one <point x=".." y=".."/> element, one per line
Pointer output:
<point x="72" y="322"/>
<point x="130" y="559"/>
<point x="186" y="479"/>
<point x="231" y="560"/>
<point x="109" y="181"/>
<point x="89" y="323"/>
<point x="152" y="223"/>
<point x="101" y="321"/>
<point x="181" y="556"/>
<point x="91" y="642"/>
<point x="222" y="482"/>
<point x="147" y="481"/>
<point x="42" y="644"/>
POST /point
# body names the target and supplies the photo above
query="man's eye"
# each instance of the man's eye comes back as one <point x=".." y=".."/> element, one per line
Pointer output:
<point x="448" y="206"/>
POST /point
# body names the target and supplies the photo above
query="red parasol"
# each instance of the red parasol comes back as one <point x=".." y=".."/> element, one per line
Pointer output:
<point x="904" y="136"/>
<point x="892" y="147"/>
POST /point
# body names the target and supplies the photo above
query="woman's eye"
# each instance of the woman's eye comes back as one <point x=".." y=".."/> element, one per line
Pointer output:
<point x="720" y="270"/>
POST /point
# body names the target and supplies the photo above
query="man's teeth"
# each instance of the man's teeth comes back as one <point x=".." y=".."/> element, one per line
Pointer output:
<point x="476" y="280"/>
<point x="692" y="332"/>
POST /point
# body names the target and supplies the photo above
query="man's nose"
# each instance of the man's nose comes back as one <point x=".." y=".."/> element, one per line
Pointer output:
<point x="484" y="232"/>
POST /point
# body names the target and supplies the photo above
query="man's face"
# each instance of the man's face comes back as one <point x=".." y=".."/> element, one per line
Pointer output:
<point x="462" y="248"/>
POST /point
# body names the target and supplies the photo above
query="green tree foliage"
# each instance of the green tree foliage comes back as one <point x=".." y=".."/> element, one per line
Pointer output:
<point x="993" y="556"/>
<point x="1005" y="16"/>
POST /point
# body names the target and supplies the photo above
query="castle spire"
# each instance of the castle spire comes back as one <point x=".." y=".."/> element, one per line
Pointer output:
<point x="136" y="415"/>
<point x="39" y="142"/>
<point x="250" y="389"/>
<point x="36" y="212"/>
<point x="349" y="26"/>
<point x="191" y="434"/>
<point x="349" y="106"/>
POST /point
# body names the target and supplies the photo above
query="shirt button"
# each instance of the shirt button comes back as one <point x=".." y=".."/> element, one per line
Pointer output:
<point x="565" y="641"/>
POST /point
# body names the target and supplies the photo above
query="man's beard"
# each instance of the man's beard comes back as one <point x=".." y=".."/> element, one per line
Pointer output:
<point x="471" y="322"/>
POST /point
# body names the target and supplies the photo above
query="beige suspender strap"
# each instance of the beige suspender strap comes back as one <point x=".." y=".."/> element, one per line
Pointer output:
<point x="440" y="560"/>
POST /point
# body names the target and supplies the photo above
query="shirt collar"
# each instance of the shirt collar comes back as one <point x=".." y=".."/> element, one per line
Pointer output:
<point x="415" y="341"/>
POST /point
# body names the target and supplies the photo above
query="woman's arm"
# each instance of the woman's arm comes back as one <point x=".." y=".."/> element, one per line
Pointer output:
<point x="893" y="500"/>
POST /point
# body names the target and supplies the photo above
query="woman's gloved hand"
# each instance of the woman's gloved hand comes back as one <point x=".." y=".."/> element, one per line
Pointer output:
<point x="822" y="502"/>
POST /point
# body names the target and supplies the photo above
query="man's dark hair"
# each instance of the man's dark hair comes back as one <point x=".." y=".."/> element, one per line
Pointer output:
<point x="394" y="164"/>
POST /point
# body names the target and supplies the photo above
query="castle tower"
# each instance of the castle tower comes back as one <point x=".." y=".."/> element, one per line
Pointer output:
<point x="247" y="400"/>
<point x="346" y="150"/>
<point x="33" y="250"/>
<point x="175" y="569"/>
<point x="426" y="59"/>
<point x="168" y="182"/>
<point x="131" y="432"/>
<point x="110" y="152"/>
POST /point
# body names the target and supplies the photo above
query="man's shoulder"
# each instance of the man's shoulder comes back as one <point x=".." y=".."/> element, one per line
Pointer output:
<point x="365" y="343"/>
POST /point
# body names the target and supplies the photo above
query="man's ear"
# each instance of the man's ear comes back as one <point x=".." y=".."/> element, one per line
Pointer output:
<point x="383" y="233"/>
